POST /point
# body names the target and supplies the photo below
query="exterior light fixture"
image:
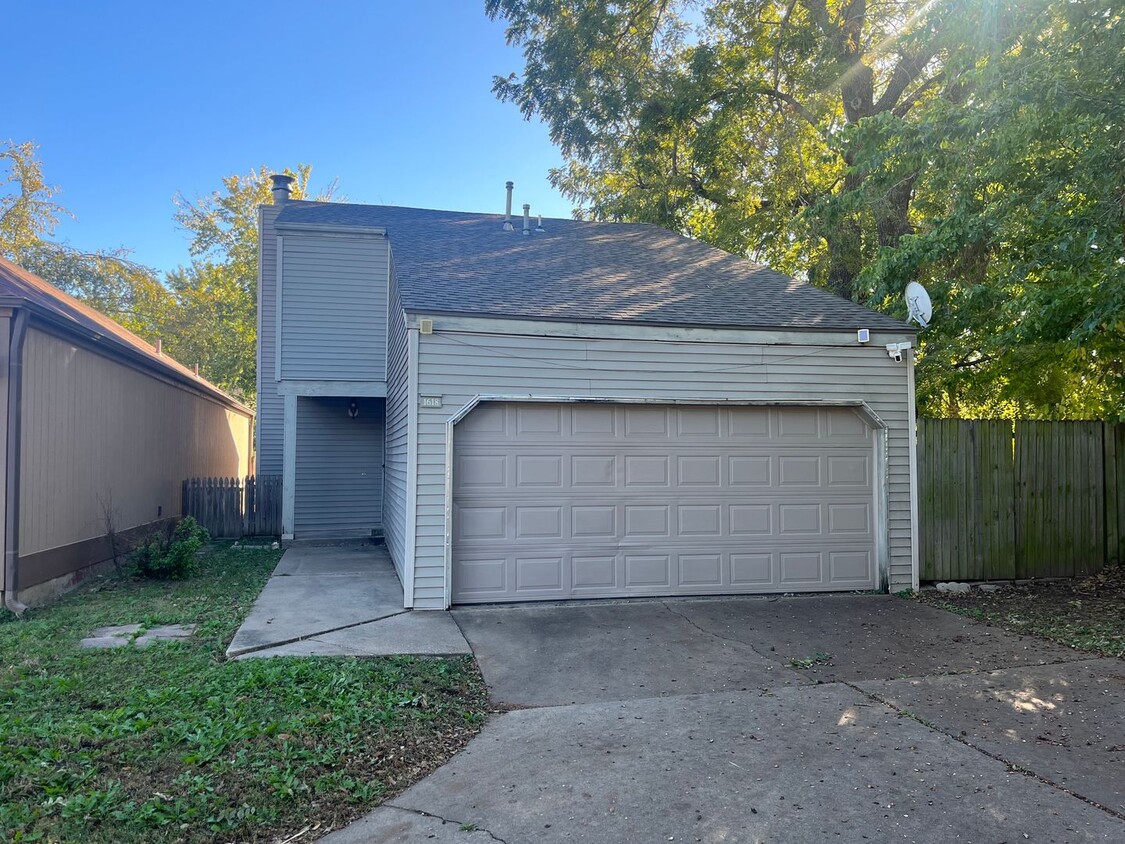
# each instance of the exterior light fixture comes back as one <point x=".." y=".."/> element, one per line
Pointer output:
<point x="353" y="409"/>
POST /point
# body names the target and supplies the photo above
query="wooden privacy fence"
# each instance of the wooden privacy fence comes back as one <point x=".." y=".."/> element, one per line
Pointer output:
<point x="1031" y="499"/>
<point x="229" y="507"/>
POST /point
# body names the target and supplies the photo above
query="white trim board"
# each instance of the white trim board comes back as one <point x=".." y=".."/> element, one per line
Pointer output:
<point x="341" y="389"/>
<point x="411" y="539"/>
<point x="289" y="468"/>
<point x="277" y="292"/>
<point x="912" y="440"/>
<point x="676" y="334"/>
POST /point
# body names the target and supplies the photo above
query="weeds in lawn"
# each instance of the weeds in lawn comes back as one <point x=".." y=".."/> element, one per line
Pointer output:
<point x="817" y="658"/>
<point x="1084" y="613"/>
<point x="174" y="743"/>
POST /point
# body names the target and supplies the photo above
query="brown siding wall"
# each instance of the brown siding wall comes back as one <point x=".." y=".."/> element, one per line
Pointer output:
<point x="96" y="433"/>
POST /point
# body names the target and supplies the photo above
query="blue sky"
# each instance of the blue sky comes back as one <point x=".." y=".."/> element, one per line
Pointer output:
<point x="131" y="102"/>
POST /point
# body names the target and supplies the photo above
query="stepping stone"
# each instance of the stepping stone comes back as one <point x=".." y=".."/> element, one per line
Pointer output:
<point x="110" y="637"/>
<point x="122" y="634"/>
<point x="167" y="632"/>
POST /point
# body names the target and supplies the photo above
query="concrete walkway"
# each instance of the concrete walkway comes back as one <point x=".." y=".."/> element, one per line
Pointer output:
<point x="846" y="718"/>
<point x="340" y="599"/>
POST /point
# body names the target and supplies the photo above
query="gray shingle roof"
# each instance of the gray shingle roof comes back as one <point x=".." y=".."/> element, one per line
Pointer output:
<point x="464" y="263"/>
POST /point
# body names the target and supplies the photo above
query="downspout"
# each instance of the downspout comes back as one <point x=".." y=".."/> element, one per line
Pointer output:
<point x="12" y="509"/>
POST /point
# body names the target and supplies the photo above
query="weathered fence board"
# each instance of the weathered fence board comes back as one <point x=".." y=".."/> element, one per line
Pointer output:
<point x="1114" y="457"/>
<point x="999" y="500"/>
<point x="230" y="507"/>
<point x="967" y="514"/>
<point x="1060" y="498"/>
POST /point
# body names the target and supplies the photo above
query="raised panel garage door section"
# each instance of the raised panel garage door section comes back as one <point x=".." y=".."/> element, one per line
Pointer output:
<point x="591" y="500"/>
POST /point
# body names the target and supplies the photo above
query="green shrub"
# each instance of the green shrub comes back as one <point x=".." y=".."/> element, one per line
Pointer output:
<point x="170" y="556"/>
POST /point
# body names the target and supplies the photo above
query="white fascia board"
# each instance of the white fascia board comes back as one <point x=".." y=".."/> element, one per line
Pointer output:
<point x="604" y="331"/>
<point x="342" y="389"/>
<point x="329" y="230"/>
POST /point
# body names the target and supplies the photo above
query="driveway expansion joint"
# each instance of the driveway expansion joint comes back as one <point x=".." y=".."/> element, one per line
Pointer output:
<point x="424" y="814"/>
<point x="1014" y="767"/>
<point x="472" y="650"/>
<point x="308" y="636"/>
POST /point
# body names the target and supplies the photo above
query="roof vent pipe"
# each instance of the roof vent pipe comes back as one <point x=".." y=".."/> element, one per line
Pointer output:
<point x="526" y="218"/>
<point x="508" y="227"/>
<point x="280" y="188"/>
<point x="539" y="228"/>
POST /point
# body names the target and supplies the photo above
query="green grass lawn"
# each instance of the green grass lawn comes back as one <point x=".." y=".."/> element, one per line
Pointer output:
<point x="173" y="743"/>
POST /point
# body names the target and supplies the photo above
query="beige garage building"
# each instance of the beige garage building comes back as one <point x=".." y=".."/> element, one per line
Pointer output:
<point x="95" y="422"/>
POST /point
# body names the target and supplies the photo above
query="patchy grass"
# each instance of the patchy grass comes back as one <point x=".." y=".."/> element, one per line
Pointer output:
<point x="173" y="743"/>
<point x="1085" y="613"/>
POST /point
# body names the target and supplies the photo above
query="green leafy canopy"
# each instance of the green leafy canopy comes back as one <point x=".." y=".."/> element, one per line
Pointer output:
<point x="973" y="145"/>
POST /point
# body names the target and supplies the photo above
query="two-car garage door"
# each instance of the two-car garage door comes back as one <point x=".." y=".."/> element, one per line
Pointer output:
<point x="590" y="500"/>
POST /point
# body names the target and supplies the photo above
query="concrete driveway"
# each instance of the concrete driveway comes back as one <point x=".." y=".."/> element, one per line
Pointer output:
<point x="843" y="718"/>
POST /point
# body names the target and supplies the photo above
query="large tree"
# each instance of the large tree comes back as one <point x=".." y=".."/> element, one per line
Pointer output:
<point x="827" y="138"/>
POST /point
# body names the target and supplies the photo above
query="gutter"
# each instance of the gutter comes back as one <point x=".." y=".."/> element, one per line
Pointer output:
<point x="116" y="349"/>
<point x="11" y="515"/>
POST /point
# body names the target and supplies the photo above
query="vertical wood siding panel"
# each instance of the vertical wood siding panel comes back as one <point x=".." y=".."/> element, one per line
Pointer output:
<point x="339" y="482"/>
<point x="334" y="307"/>
<point x="458" y="366"/>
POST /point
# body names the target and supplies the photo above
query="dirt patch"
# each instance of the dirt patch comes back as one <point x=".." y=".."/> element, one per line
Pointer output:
<point x="1085" y="613"/>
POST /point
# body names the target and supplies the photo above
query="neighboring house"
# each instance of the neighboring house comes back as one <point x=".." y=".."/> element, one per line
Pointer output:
<point x="100" y="431"/>
<point x="591" y="410"/>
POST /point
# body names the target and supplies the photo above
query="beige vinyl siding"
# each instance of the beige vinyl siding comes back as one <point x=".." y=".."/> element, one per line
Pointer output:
<point x="460" y="365"/>
<point x="339" y="479"/>
<point x="96" y="431"/>
<point x="333" y="307"/>
<point x="397" y="432"/>
<point x="271" y="406"/>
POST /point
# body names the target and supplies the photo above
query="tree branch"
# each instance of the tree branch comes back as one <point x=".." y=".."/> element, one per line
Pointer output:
<point x="908" y="69"/>
<point x="777" y="44"/>
<point x="966" y="364"/>
<point x="902" y="108"/>
<point x="790" y="101"/>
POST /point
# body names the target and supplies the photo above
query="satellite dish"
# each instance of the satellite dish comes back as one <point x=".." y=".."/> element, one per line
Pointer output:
<point x="918" y="304"/>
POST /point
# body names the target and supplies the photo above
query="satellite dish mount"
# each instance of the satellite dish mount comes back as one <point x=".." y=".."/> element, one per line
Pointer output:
<point x="918" y="304"/>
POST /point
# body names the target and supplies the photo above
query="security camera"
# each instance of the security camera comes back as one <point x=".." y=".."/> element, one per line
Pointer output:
<point x="895" y="350"/>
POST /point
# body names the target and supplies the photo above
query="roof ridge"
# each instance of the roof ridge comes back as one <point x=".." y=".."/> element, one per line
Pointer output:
<point x="583" y="270"/>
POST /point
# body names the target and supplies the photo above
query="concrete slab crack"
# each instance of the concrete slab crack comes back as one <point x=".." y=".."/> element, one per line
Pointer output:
<point x="718" y="635"/>
<point x="461" y="824"/>
<point x="1008" y="763"/>
<point x="269" y="646"/>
